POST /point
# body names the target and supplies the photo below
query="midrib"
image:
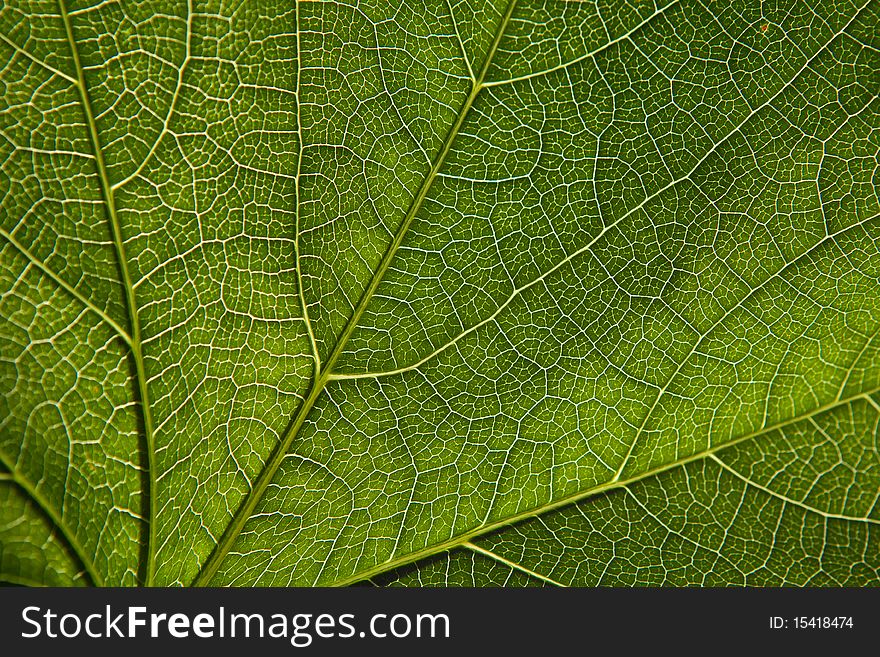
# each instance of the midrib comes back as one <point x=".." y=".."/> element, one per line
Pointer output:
<point x="130" y="302"/>
<point x="212" y="565"/>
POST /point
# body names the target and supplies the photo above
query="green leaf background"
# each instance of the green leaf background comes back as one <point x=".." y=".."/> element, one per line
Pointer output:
<point x="520" y="292"/>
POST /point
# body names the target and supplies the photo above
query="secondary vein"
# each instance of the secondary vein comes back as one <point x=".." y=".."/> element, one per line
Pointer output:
<point x="42" y="266"/>
<point x="789" y="500"/>
<point x="613" y="484"/>
<point x="313" y="343"/>
<point x="53" y="516"/>
<point x="513" y="565"/>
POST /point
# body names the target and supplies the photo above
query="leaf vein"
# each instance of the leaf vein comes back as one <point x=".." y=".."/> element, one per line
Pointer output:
<point x="579" y="496"/>
<point x="320" y="379"/>
<point x="128" y="288"/>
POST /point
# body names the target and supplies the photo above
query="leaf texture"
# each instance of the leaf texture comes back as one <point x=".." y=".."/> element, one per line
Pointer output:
<point x="440" y="293"/>
<point x="761" y="514"/>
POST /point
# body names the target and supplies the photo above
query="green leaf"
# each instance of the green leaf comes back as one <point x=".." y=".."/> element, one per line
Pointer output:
<point x="440" y="293"/>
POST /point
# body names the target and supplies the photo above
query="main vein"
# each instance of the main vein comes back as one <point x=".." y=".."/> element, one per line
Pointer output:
<point x="322" y="375"/>
<point x="130" y="302"/>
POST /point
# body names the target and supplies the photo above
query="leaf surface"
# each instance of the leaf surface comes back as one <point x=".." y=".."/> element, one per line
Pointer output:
<point x="304" y="293"/>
